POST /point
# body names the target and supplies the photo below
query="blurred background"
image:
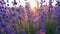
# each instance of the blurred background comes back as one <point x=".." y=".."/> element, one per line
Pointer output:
<point x="29" y="16"/>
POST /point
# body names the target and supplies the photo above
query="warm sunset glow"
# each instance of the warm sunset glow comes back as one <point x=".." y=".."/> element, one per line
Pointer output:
<point x="33" y="3"/>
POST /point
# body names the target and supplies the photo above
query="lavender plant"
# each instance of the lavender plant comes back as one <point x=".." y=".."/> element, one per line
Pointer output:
<point x="57" y="17"/>
<point x="43" y="25"/>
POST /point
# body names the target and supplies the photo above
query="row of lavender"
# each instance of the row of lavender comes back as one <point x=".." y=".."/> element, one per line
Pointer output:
<point x="13" y="20"/>
<point x="10" y="19"/>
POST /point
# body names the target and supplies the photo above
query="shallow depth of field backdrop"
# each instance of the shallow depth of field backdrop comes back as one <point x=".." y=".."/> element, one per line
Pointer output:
<point x="29" y="16"/>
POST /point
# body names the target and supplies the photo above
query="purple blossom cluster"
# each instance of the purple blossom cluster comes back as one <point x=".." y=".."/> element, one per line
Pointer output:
<point x="13" y="14"/>
<point x="57" y="19"/>
<point x="8" y="14"/>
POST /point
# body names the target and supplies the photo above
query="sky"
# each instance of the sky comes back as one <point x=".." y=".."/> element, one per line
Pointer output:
<point x="33" y="3"/>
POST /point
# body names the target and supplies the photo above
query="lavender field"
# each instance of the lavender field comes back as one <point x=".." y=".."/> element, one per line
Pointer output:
<point x="41" y="19"/>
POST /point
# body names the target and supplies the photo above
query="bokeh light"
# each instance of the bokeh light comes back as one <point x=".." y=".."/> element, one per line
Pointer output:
<point x="33" y="3"/>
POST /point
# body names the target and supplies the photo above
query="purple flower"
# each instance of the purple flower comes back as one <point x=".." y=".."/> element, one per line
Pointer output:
<point x="3" y="2"/>
<point x="20" y="16"/>
<point x="8" y="29"/>
<point x="36" y="26"/>
<point x="42" y="15"/>
<point x="17" y="32"/>
<point x="43" y="25"/>
<point x="57" y="17"/>
<point x="13" y="21"/>
<point x="0" y="7"/>
<point x="13" y="8"/>
<point x="4" y="23"/>
<point x="2" y="30"/>
<point x="13" y="14"/>
<point x="57" y="12"/>
<point x="23" y="31"/>
<point x="18" y="9"/>
<point x="9" y="17"/>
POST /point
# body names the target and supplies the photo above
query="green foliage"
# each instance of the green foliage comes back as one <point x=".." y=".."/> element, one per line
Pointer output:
<point x="31" y="29"/>
<point x="51" y="27"/>
<point x="26" y="30"/>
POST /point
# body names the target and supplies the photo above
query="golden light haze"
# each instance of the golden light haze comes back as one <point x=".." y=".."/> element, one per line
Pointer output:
<point x="33" y="3"/>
